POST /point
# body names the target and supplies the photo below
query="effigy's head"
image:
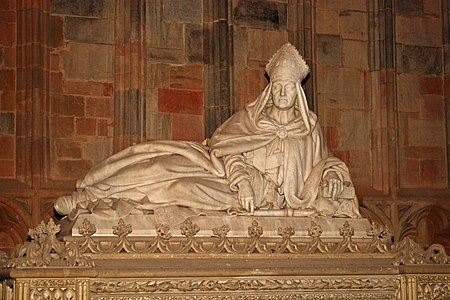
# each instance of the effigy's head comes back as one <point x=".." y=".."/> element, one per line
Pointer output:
<point x="286" y="69"/>
<point x="287" y="64"/>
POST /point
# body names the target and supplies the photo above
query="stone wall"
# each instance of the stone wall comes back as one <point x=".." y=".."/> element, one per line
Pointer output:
<point x="80" y="80"/>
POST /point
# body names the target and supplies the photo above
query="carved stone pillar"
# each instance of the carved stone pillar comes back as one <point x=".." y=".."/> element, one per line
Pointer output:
<point x="218" y="53"/>
<point x="130" y="74"/>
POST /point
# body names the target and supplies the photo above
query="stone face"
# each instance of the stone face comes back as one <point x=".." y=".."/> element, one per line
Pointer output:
<point x="260" y="14"/>
<point x="88" y="61"/>
<point x="419" y="60"/>
<point x="185" y="11"/>
<point x="89" y="30"/>
<point x="328" y="49"/>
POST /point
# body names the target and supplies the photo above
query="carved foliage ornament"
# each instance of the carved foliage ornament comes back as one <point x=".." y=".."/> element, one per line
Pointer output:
<point x="44" y="247"/>
<point x="213" y="285"/>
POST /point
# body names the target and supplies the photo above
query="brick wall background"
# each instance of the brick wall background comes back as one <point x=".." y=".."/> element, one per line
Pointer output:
<point x="82" y="79"/>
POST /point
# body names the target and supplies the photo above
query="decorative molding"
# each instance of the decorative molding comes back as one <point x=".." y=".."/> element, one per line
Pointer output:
<point x="217" y="285"/>
<point x="44" y="247"/>
<point x="266" y="296"/>
<point x="78" y="251"/>
<point x="430" y="287"/>
<point x="57" y="289"/>
<point x="408" y="251"/>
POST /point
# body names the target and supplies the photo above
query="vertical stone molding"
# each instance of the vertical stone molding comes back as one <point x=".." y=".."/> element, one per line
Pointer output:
<point x="130" y="74"/>
<point x="218" y="60"/>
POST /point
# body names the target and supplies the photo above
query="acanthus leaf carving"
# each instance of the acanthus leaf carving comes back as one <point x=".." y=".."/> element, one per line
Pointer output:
<point x="408" y="251"/>
<point x="45" y="247"/>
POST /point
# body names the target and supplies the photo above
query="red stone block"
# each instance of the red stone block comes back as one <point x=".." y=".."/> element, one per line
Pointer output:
<point x="102" y="128"/>
<point x="424" y="152"/>
<point x="7" y="16"/>
<point x="447" y="86"/>
<point x="430" y="85"/>
<point x="54" y="62"/>
<point x="88" y="88"/>
<point x="7" y="101"/>
<point x="86" y="126"/>
<point x="4" y="4"/>
<point x="7" y="147"/>
<point x="186" y="77"/>
<point x="7" y="34"/>
<point x="9" y="57"/>
<point x="61" y="126"/>
<point x="331" y="136"/>
<point x="67" y="105"/>
<point x="180" y="101"/>
<point x="433" y="174"/>
<point x="12" y="4"/>
<point x="100" y="107"/>
<point x="108" y="89"/>
<point x="7" y="80"/>
<point x="432" y="107"/>
<point x="67" y="148"/>
<point x="72" y="169"/>
<point x="7" y="169"/>
<point x="187" y="128"/>
<point x="56" y="81"/>
<point x="409" y="173"/>
<point x="342" y="155"/>
<point x="55" y="31"/>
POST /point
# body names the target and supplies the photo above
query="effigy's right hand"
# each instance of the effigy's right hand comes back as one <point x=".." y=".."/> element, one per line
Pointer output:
<point x="246" y="196"/>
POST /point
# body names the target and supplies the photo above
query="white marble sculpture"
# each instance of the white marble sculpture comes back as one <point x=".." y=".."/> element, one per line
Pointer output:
<point x="270" y="159"/>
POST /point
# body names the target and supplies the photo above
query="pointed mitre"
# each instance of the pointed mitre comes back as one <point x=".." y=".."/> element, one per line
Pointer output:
<point x="287" y="64"/>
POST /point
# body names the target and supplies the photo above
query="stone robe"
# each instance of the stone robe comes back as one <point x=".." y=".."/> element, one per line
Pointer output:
<point x="285" y="165"/>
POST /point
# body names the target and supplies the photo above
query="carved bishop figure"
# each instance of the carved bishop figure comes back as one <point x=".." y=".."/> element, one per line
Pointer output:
<point x="269" y="159"/>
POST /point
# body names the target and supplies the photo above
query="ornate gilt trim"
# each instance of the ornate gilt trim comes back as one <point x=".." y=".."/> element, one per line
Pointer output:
<point x="45" y="247"/>
<point x="217" y="285"/>
<point x="265" y="296"/>
<point x="77" y="251"/>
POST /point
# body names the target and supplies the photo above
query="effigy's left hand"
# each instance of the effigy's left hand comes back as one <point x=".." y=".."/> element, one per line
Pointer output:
<point x="335" y="185"/>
